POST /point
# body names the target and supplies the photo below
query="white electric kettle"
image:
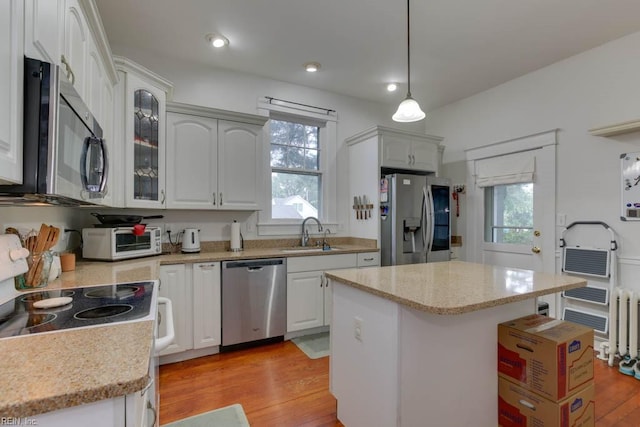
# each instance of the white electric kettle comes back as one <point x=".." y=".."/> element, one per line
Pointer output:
<point x="191" y="241"/>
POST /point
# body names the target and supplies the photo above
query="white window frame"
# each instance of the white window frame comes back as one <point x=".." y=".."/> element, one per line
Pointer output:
<point x="327" y="141"/>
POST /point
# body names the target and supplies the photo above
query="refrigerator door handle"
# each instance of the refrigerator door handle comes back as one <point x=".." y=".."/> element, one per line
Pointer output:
<point x="426" y="238"/>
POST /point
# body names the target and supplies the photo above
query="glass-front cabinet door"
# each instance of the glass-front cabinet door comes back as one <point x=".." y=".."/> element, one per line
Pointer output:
<point x="145" y="144"/>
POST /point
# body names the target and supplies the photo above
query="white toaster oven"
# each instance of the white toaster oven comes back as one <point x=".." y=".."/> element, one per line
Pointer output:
<point x="118" y="243"/>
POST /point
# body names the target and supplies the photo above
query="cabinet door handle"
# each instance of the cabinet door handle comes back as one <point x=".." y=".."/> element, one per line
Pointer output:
<point x="220" y="199"/>
<point x="214" y="199"/>
<point x="207" y="266"/>
<point x="153" y="410"/>
<point x="163" y="197"/>
<point x="70" y="75"/>
<point x="367" y="259"/>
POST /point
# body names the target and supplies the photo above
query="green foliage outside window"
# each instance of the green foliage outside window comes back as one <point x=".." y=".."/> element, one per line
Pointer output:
<point x="509" y="213"/>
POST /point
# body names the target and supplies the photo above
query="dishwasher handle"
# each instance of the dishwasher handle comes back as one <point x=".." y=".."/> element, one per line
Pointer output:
<point x="256" y="268"/>
<point x="253" y="264"/>
<point x="164" y="342"/>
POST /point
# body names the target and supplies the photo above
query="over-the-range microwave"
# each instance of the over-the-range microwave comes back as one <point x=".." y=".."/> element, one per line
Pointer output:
<point x="118" y="243"/>
<point x="64" y="156"/>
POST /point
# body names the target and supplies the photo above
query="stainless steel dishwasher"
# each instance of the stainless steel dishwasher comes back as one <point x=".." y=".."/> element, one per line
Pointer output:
<point x="254" y="301"/>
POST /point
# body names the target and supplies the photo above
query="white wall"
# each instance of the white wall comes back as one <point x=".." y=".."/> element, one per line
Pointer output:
<point x="598" y="87"/>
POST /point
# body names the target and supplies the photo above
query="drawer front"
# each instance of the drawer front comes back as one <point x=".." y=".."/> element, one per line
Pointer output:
<point x="369" y="259"/>
<point x="321" y="262"/>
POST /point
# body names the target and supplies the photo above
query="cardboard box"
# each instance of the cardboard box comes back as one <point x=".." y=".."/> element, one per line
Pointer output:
<point x="551" y="357"/>
<point x="520" y="407"/>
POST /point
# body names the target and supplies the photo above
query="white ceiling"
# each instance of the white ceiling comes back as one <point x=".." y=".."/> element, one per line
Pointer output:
<point x="458" y="47"/>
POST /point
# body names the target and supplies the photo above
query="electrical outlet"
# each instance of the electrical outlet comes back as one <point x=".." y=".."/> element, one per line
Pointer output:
<point x="357" y="328"/>
<point x="249" y="226"/>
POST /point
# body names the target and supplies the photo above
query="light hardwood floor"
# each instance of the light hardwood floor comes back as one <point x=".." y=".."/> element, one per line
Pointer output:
<point x="278" y="385"/>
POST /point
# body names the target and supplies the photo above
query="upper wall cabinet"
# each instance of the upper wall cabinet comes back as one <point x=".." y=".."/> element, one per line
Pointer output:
<point x="214" y="158"/>
<point x="75" y="50"/>
<point x="144" y="96"/>
<point x="44" y="29"/>
<point x="401" y="151"/>
<point x="11" y="80"/>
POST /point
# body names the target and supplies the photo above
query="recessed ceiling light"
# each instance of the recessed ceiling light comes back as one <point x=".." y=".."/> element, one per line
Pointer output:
<point x="217" y="40"/>
<point x="312" y="67"/>
<point x="391" y="87"/>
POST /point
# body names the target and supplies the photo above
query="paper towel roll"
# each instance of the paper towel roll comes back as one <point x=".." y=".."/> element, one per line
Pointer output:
<point x="235" y="237"/>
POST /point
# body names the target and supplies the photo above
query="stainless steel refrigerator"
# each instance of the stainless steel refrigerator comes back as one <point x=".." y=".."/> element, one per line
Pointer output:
<point x="415" y="219"/>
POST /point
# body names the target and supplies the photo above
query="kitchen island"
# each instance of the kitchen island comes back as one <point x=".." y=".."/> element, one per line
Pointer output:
<point x="416" y="345"/>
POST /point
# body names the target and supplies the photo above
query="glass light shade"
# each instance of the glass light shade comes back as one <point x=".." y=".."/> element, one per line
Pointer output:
<point x="408" y="111"/>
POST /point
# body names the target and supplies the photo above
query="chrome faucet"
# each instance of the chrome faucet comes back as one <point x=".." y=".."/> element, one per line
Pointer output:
<point x="305" y="234"/>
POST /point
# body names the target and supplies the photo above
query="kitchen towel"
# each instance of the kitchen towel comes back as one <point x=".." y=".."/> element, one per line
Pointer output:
<point x="235" y="237"/>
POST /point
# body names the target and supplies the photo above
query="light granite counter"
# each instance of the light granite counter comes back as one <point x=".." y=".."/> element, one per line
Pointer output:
<point x="454" y="287"/>
<point x="51" y="371"/>
<point x="61" y="369"/>
<point x="419" y="342"/>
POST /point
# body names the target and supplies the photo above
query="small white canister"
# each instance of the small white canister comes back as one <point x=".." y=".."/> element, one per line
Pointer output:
<point x="56" y="268"/>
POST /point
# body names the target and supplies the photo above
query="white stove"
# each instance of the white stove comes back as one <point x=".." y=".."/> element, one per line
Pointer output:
<point x="38" y="311"/>
<point x="46" y="311"/>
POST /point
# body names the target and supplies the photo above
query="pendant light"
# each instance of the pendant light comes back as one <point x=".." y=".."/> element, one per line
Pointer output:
<point x="408" y="110"/>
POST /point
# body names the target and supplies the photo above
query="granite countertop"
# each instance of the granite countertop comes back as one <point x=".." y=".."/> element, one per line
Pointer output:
<point x="51" y="371"/>
<point x="56" y="370"/>
<point x="454" y="287"/>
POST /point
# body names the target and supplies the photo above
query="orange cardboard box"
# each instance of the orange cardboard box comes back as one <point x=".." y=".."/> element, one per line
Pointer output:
<point x="520" y="407"/>
<point x="551" y="357"/>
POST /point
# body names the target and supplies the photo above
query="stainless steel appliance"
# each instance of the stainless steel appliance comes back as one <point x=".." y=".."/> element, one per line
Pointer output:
<point x="254" y="298"/>
<point x="112" y="243"/>
<point x="65" y="159"/>
<point x="191" y="240"/>
<point x="415" y="219"/>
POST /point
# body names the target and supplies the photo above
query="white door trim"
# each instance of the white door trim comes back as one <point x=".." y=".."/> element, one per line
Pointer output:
<point x="545" y="174"/>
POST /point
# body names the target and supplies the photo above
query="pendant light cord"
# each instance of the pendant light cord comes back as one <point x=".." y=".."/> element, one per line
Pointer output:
<point x="408" y="52"/>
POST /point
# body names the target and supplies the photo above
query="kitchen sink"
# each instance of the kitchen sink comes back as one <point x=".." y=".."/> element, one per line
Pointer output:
<point x="307" y="249"/>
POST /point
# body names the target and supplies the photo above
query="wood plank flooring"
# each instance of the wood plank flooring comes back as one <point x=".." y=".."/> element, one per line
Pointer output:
<point x="278" y="385"/>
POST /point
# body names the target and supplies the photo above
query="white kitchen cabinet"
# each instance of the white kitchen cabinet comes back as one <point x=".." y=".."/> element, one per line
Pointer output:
<point x="239" y="165"/>
<point x="76" y="46"/>
<point x="409" y="152"/>
<point x="11" y="85"/>
<point x="192" y="149"/>
<point x="305" y="300"/>
<point x="176" y="284"/>
<point x="199" y="137"/>
<point x="44" y="29"/>
<point x="194" y="290"/>
<point x="144" y="141"/>
<point x="308" y="290"/>
<point x="207" y="327"/>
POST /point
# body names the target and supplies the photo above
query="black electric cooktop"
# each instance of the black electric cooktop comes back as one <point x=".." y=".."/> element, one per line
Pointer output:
<point x="89" y="306"/>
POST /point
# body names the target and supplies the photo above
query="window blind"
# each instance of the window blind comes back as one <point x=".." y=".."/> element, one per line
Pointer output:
<point x="508" y="169"/>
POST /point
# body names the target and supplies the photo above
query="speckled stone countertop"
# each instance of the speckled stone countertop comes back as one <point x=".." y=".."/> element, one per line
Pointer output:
<point x="454" y="287"/>
<point x="50" y="371"/>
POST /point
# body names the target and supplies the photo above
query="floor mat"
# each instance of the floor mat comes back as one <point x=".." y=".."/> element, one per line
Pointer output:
<point x="229" y="416"/>
<point x="314" y="346"/>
